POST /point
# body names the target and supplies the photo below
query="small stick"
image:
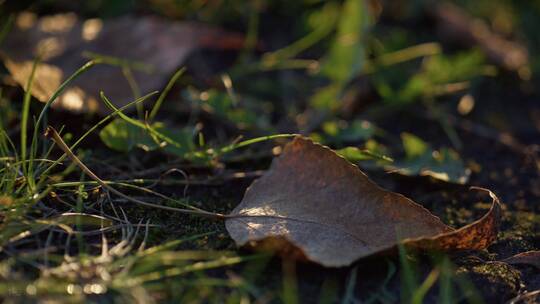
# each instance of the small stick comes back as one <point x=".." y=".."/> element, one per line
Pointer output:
<point x="51" y="133"/>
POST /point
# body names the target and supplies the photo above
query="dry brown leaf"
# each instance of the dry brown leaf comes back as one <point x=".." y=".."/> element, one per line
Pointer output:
<point x="315" y="205"/>
<point x="528" y="258"/>
<point x="158" y="46"/>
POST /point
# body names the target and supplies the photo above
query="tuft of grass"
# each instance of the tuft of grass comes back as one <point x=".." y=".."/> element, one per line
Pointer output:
<point x="36" y="264"/>
<point x="443" y="273"/>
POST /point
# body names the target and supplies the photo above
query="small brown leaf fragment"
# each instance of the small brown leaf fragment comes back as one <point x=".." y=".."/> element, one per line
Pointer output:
<point x="152" y="47"/>
<point x="329" y="210"/>
<point x="531" y="258"/>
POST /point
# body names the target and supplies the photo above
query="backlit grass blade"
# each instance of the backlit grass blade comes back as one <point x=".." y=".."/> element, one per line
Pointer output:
<point x="169" y="86"/>
<point x="24" y="125"/>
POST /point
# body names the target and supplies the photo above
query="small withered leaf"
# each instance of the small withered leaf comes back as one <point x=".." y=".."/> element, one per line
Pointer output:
<point x="139" y="54"/>
<point x="531" y="258"/>
<point x="328" y="210"/>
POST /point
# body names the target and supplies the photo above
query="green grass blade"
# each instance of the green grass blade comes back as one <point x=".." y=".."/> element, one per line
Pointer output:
<point x="409" y="280"/>
<point x="420" y="293"/>
<point x="169" y="86"/>
<point x="92" y="129"/>
<point x="248" y="142"/>
<point x="24" y="124"/>
<point x="61" y="88"/>
<point x="144" y="126"/>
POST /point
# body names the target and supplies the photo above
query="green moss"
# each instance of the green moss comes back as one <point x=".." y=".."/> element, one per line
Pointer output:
<point x="497" y="279"/>
<point x="520" y="232"/>
<point x="499" y="273"/>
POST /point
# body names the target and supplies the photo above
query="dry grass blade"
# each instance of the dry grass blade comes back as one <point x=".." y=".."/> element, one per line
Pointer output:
<point x="53" y="134"/>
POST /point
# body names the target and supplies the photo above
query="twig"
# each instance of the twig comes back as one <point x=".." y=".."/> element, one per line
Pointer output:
<point x="53" y="134"/>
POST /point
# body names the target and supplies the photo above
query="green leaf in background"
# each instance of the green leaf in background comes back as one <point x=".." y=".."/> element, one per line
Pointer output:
<point x="420" y="159"/>
<point x="343" y="131"/>
<point x="183" y="140"/>
<point x="413" y="145"/>
<point x="123" y="136"/>
<point x="346" y="56"/>
<point x="327" y="97"/>
<point x="347" y="53"/>
<point x="435" y="77"/>
<point x="244" y="112"/>
<point x="440" y="70"/>
<point x="321" y="21"/>
<point x="354" y="155"/>
<point x="120" y="135"/>
<point x="223" y="105"/>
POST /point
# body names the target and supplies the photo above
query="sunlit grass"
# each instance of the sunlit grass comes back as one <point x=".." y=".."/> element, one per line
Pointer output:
<point x="124" y="268"/>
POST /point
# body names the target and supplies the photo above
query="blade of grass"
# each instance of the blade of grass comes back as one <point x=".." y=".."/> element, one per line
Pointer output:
<point x="24" y="125"/>
<point x="445" y="282"/>
<point x="162" y="274"/>
<point x="351" y="283"/>
<point x="172" y="244"/>
<point x="53" y="134"/>
<point x="165" y="92"/>
<point x="331" y="14"/>
<point x="144" y="126"/>
<point x="115" y="61"/>
<point x="248" y="142"/>
<point x="62" y="87"/>
<point x="134" y="87"/>
<point x="421" y="291"/>
<point x="409" y="280"/>
<point x="127" y="185"/>
<point x="52" y="99"/>
<point x="252" y="29"/>
<point x="80" y="209"/>
<point x="290" y="282"/>
<point x="93" y="128"/>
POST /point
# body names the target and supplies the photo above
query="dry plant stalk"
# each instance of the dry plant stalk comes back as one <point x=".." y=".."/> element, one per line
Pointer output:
<point x="53" y="134"/>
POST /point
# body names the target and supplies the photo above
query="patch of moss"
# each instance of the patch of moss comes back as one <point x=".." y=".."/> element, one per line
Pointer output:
<point x="524" y="223"/>
<point x="497" y="281"/>
<point x="520" y="232"/>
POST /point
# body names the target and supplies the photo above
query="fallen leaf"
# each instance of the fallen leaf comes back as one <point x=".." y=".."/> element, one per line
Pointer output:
<point x="152" y="48"/>
<point x="528" y="258"/>
<point x="313" y="204"/>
